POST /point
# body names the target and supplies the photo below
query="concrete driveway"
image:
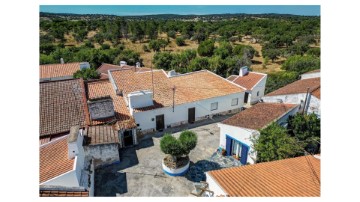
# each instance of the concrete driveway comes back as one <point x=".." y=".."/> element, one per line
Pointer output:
<point x="140" y="173"/>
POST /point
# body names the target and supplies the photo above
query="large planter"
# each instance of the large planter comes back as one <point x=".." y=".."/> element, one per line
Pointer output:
<point x="175" y="172"/>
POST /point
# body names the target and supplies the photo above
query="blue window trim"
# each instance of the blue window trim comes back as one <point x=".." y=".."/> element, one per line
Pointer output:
<point x="226" y="135"/>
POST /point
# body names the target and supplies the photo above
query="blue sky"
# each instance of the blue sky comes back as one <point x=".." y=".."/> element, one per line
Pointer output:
<point x="182" y="9"/>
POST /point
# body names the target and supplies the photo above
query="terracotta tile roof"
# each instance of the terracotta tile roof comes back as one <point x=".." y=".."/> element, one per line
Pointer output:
<point x="54" y="193"/>
<point x="101" y="134"/>
<point x="316" y="93"/>
<point x="232" y="77"/>
<point x="105" y="67"/>
<point x="248" y="81"/>
<point x="54" y="159"/>
<point x="295" y="177"/>
<point x="189" y="87"/>
<point x="259" y="115"/>
<point x="299" y="86"/>
<point x="62" y="105"/>
<point x="58" y="70"/>
<point x="104" y="88"/>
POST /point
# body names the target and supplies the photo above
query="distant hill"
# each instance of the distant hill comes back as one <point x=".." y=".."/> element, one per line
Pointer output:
<point x="71" y="16"/>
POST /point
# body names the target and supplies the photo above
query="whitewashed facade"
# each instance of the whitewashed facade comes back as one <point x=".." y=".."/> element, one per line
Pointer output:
<point x="147" y="119"/>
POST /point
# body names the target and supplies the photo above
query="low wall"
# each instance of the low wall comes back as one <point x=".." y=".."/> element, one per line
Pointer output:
<point x="103" y="154"/>
<point x="175" y="172"/>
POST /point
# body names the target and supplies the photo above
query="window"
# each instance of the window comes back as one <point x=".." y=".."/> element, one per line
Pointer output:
<point x="234" y="101"/>
<point x="214" y="106"/>
<point x="236" y="148"/>
<point x="257" y="94"/>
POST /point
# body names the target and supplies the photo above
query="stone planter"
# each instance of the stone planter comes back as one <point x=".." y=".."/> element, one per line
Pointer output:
<point x="175" y="172"/>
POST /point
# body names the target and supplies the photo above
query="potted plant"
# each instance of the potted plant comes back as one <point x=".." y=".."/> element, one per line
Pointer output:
<point x="177" y="161"/>
<point x="223" y="152"/>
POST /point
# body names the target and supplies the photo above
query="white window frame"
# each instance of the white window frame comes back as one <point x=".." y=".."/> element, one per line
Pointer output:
<point x="213" y="104"/>
<point x="234" y="99"/>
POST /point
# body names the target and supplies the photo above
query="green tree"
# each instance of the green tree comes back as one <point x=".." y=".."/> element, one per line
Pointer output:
<point x="47" y="59"/>
<point x="162" y="60"/>
<point x="130" y="56"/>
<point x="163" y="43"/>
<point x="154" y="45"/>
<point x="178" y="147"/>
<point x="188" y="140"/>
<point x="206" y="48"/>
<point x="301" y="64"/>
<point x="171" y="34"/>
<point x="279" y="79"/>
<point x="170" y="145"/>
<point x="275" y="144"/>
<point x="180" y="41"/>
<point x="224" y="50"/>
<point x="88" y="73"/>
<point x="306" y="129"/>
<point x="313" y="52"/>
<point x="199" y="63"/>
<point x="273" y="54"/>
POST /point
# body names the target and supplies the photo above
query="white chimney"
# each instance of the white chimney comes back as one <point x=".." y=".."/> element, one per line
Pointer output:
<point x="84" y="65"/>
<point x="171" y="73"/>
<point x="137" y="64"/>
<point x="62" y="60"/>
<point x="122" y="63"/>
<point x="75" y="140"/>
<point x="243" y="71"/>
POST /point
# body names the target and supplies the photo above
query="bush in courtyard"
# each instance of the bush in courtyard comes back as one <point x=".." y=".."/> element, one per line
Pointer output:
<point x="178" y="147"/>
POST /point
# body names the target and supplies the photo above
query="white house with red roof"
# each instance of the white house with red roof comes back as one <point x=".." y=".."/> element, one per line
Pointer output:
<point x="305" y="92"/>
<point x="253" y="82"/>
<point x="236" y="132"/>
<point x="157" y="100"/>
<point x="64" y="166"/>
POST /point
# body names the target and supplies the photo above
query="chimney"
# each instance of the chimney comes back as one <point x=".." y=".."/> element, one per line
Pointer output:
<point x="62" y="60"/>
<point x="243" y="71"/>
<point x="122" y="63"/>
<point x="74" y="141"/>
<point x="171" y="73"/>
<point x="137" y="64"/>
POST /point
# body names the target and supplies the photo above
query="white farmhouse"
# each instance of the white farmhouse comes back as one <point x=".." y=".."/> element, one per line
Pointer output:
<point x="157" y="100"/>
<point x="253" y="82"/>
<point x="305" y="92"/>
<point x="237" y="131"/>
<point x="64" y="167"/>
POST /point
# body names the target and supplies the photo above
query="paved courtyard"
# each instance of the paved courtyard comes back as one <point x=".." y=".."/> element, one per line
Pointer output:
<point x="140" y="173"/>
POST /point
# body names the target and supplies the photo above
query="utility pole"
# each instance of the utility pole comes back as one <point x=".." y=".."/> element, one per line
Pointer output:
<point x="152" y="80"/>
<point x="174" y="88"/>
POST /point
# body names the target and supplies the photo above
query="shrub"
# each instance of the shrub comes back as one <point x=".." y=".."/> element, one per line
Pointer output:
<point x="170" y="145"/>
<point x="88" y="73"/>
<point x="188" y="141"/>
<point x="206" y="48"/>
<point x="180" y="41"/>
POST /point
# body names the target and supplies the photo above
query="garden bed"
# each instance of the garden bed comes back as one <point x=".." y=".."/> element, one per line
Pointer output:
<point x="181" y="162"/>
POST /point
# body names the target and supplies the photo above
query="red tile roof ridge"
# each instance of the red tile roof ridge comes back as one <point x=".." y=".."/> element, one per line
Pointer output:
<point x="53" y="141"/>
<point x="239" y="77"/>
<point x="86" y="109"/>
<point x="69" y="63"/>
<point x="227" y="80"/>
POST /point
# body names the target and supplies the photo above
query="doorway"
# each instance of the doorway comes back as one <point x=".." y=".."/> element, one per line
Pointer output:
<point x="128" y="138"/>
<point x="191" y="115"/>
<point x="246" y="97"/>
<point x="160" y="125"/>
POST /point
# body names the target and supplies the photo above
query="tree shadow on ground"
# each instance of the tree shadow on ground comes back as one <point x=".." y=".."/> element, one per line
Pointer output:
<point x="197" y="170"/>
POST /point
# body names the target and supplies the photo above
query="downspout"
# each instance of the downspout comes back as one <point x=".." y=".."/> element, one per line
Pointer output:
<point x="306" y="99"/>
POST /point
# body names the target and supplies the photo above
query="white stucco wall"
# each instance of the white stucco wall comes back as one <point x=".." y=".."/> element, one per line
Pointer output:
<point x="259" y="87"/>
<point x="310" y="75"/>
<point x="241" y="134"/>
<point x="180" y="114"/>
<point x="313" y="104"/>
<point x="213" y="186"/>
